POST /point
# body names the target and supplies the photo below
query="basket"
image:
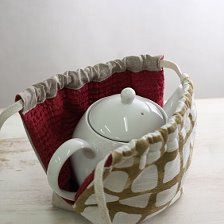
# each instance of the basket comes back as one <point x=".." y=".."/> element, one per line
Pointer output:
<point x="51" y="109"/>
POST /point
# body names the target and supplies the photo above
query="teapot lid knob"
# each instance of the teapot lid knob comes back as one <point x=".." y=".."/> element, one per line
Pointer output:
<point x="127" y="95"/>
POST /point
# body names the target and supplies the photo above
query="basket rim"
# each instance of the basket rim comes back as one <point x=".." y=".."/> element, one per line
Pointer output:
<point x="38" y="93"/>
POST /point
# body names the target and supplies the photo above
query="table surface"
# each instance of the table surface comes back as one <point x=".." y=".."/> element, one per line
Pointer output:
<point x="25" y="196"/>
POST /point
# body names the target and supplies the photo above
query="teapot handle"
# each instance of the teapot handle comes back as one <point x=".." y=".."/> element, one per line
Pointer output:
<point x="59" y="158"/>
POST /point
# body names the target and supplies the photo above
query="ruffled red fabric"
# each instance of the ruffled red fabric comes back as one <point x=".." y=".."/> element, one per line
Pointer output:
<point x="52" y="122"/>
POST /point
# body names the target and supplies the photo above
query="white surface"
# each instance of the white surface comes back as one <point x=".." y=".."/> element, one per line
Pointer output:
<point x="45" y="37"/>
<point x="26" y="197"/>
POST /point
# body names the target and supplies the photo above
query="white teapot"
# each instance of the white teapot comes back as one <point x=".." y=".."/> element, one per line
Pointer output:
<point x="107" y="124"/>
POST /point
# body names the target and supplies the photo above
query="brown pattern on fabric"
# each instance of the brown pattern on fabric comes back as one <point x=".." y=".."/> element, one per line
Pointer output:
<point x="177" y="122"/>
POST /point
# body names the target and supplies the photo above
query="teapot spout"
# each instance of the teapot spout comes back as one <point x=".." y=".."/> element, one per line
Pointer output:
<point x="171" y="104"/>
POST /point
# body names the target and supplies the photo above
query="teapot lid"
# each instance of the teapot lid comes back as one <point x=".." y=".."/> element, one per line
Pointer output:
<point x="123" y="117"/>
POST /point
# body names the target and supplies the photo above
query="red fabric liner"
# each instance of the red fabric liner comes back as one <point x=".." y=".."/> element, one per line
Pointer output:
<point x="52" y="122"/>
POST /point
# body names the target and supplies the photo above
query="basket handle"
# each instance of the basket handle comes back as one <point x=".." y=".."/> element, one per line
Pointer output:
<point x="99" y="191"/>
<point x="173" y="66"/>
<point x="9" y="111"/>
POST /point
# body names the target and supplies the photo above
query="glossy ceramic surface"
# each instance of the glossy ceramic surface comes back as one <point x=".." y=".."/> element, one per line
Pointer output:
<point x="107" y="124"/>
<point x="123" y="117"/>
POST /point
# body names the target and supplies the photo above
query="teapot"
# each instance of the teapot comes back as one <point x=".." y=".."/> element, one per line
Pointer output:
<point x="106" y="125"/>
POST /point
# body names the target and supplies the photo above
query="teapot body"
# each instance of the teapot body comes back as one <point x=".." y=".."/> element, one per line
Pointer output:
<point x="83" y="165"/>
<point x="107" y="124"/>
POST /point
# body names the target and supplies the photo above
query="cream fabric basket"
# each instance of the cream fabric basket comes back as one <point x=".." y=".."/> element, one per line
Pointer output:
<point x="143" y="191"/>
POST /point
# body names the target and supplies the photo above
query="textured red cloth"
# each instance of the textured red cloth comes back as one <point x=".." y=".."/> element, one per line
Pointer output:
<point x="52" y="122"/>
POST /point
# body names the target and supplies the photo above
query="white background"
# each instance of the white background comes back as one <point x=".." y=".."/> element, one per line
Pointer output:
<point x="44" y="37"/>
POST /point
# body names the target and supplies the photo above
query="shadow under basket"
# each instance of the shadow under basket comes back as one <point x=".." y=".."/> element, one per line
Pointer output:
<point x="52" y="109"/>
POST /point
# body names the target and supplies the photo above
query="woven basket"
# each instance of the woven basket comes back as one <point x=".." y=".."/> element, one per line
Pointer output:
<point x="51" y="109"/>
